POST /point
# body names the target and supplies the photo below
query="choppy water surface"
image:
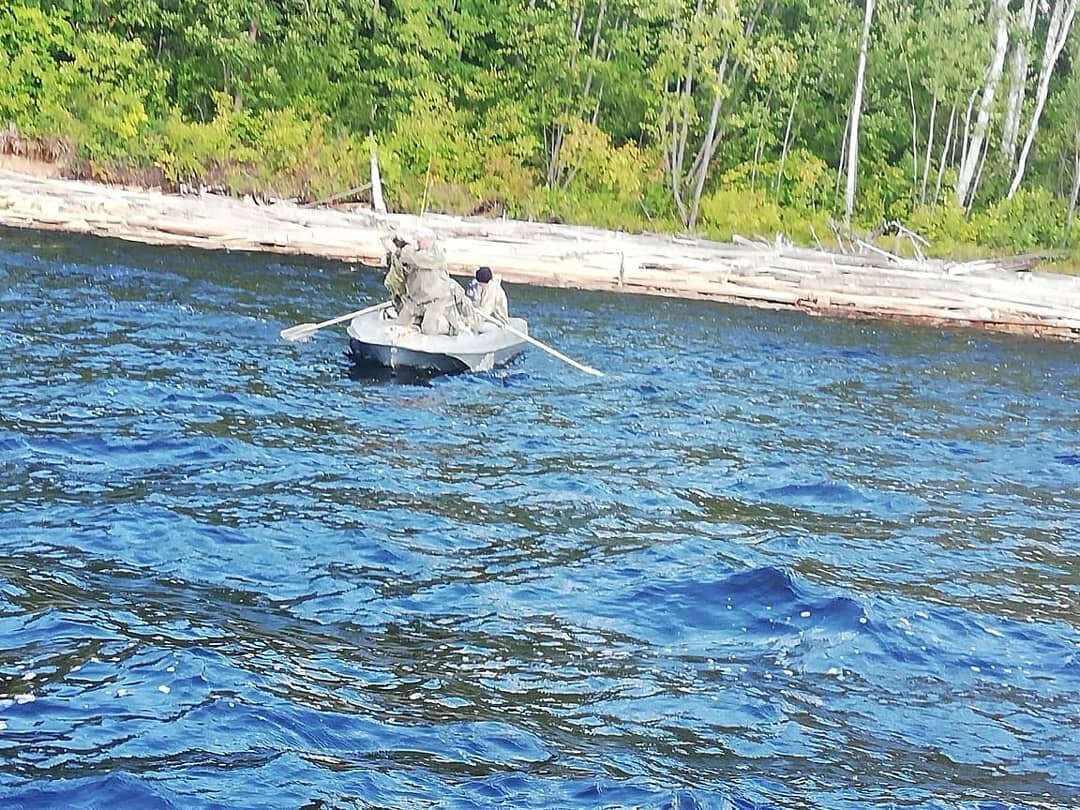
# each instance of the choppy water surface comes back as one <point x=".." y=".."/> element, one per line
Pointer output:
<point x="769" y="561"/>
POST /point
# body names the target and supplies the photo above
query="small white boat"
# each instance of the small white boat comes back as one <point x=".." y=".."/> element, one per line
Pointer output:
<point x="377" y="337"/>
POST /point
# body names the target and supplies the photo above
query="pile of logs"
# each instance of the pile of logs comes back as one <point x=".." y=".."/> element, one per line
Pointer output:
<point x="863" y="281"/>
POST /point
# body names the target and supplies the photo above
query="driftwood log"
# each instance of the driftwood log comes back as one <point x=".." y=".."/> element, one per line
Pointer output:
<point x="984" y="294"/>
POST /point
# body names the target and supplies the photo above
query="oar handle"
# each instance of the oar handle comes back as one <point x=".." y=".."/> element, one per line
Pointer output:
<point x="351" y="315"/>
<point x="553" y="352"/>
<point x="302" y="330"/>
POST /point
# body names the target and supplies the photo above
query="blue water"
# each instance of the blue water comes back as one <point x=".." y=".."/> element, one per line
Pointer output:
<point x="769" y="561"/>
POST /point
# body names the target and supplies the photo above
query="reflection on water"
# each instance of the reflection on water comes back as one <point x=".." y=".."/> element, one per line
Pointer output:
<point x="768" y="561"/>
<point x="367" y="371"/>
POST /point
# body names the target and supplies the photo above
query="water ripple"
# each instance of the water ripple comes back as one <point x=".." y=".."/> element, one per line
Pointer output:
<point x="768" y="561"/>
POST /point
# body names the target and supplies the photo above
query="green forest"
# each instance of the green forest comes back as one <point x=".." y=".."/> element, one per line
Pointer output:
<point x="958" y="118"/>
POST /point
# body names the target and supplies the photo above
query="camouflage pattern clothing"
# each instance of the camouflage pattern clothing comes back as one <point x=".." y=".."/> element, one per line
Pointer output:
<point x="423" y="293"/>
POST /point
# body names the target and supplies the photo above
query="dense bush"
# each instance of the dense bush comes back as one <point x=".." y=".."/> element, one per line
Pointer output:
<point x="524" y="109"/>
<point x="750" y="213"/>
<point x="1030" y="219"/>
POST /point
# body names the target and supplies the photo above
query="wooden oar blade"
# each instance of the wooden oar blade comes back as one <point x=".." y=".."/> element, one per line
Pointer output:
<point x="540" y="345"/>
<point x="301" y="331"/>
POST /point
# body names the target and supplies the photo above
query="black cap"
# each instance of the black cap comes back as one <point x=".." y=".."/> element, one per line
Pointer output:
<point x="483" y="275"/>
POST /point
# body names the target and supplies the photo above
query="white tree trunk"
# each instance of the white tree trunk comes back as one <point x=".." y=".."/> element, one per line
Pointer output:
<point x="1057" y="35"/>
<point x="974" y="148"/>
<point x="702" y="163"/>
<point x="595" y="46"/>
<point x="967" y="130"/>
<point x="1075" y="190"/>
<point x="377" y="200"/>
<point x="787" y="143"/>
<point x="687" y="92"/>
<point x="700" y="168"/>
<point x="945" y="153"/>
<point x="978" y="175"/>
<point x="680" y="126"/>
<point x="759" y="148"/>
<point x="554" y="141"/>
<point x="843" y="153"/>
<point x="929" y="151"/>
<point x="1018" y="82"/>
<point x="914" y="132"/>
<point x="856" y="111"/>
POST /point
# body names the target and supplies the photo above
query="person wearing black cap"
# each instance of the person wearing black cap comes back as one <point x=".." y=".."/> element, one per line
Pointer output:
<point x="487" y="295"/>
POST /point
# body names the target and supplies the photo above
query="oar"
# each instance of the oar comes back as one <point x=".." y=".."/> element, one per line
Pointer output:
<point x="544" y="346"/>
<point x="303" y="330"/>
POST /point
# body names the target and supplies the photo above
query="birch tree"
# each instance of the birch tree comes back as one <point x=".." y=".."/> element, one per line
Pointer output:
<point x="1057" y="34"/>
<point x="948" y="58"/>
<point x="974" y="144"/>
<point x="695" y="64"/>
<point x="856" y="112"/>
<point x="576" y="95"/>
<point x="1074" y="194"/>
<point x="1018" y="80"/>
<point x="1068" y="125"/>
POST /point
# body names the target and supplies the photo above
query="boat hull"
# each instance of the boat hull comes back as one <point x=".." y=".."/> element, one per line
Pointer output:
<point x="378" y="339"/>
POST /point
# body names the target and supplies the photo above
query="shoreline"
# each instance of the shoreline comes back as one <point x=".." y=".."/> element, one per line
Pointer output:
<point x="984" y="294"/>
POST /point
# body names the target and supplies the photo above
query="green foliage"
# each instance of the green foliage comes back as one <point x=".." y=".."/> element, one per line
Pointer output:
<point x="275" y="153"/>
<point x="31" y="45"/>
<point x="432" y="134"/>
<point x="595" y="111"/>
<point x="597" y="208"/>
<point x="750" y="213"/>
<point x="1030" y="219"/>
<point x="755" y="214"/>
<point x="945" y="226"/>
<point x="92" y="87"/>
<point x="195" y="153"/>
<point x="885" y="193"/>
<point x="596" y="165"/>
<point x="103" y="95"/>
<point x="801" y="182"/>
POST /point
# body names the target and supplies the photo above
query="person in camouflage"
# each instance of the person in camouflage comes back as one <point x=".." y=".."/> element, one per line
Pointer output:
<point x="395" y="272"/>
<point x="421" y="289"/>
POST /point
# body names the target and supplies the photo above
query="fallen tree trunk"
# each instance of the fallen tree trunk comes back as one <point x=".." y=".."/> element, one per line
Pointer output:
<point x="984" y="294"/>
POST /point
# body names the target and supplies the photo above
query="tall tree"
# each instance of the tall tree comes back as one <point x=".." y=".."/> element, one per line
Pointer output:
<point x="947" y="64"/>
<point x="856" y="113"/>
<point x="1057" y="34"/>
<point x="1066" y="125"/>
<point x="694" y="64"/>
<point x="1018" y="80"/>
<point x="975" y="142"/>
